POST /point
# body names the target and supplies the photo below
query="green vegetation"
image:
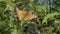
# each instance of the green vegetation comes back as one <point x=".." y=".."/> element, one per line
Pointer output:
<point x="48" y="21"/>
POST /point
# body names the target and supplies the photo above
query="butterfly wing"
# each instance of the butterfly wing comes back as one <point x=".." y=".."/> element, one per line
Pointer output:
<point x="21" y="14"/>
<point x="30" y="16"/>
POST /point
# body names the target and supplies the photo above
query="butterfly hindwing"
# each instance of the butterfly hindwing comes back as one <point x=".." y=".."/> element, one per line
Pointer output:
<point x="30" y="16"/>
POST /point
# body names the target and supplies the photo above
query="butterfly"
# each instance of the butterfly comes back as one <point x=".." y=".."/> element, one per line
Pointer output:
<point x="23" y="15"/>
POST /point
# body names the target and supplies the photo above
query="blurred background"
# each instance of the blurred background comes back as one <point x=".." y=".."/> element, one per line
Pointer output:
<point x="48" y="21"/>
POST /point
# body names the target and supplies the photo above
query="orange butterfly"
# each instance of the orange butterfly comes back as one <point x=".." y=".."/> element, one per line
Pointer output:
<point x="23" y="15"/>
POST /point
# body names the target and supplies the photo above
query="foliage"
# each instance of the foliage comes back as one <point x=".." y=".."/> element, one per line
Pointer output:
<point x="48" y="21"/>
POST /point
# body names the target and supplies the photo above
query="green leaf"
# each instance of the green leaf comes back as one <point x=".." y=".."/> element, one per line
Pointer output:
<point x="2" y="0"/>
<point x="10" y="4"/>
<point x="49" y="16"/>
<point x="14" y="31"/>
<point x="7" y="7"/>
